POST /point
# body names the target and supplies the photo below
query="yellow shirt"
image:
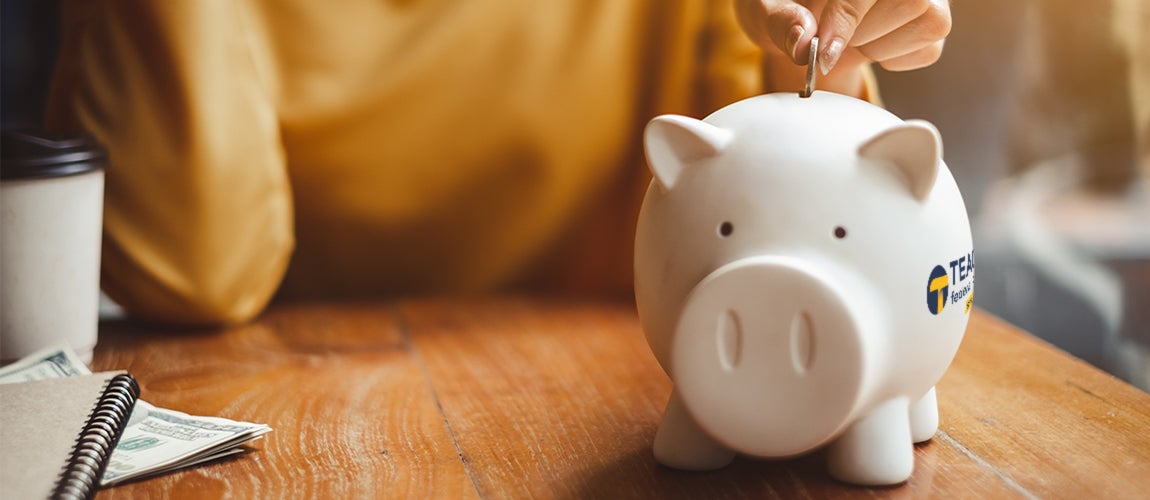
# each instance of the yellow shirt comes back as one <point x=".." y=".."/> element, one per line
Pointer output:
<point x="378" y="147"/>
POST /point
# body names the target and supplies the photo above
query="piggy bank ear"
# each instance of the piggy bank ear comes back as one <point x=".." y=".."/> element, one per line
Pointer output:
<point x="914" y="147"/>
<point x="672" y="142"/>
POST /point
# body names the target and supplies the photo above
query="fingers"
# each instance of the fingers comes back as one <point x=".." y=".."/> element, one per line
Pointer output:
<point x="883" y="30"/>
<point x="840" y="19"/>
<point x="784" y="24"/>
<point x="898" y="34"/>
<point x="918" y="59"/>
<point x="886" y="16"/>
<point x="914" y="44"/>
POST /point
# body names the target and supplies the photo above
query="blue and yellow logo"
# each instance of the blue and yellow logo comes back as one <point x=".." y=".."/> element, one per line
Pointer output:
<point x="949" y="286"/>
<point x="937" y="289"/>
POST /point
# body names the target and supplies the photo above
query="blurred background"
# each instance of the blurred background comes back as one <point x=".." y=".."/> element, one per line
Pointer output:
<point x="1044" y="108"/>
<point x="28" y="44"/>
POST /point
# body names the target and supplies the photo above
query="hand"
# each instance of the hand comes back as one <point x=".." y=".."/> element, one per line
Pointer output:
<point x="900" y="35"/>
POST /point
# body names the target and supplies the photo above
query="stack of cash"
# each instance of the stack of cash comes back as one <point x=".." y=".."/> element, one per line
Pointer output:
<point x="156" y="440"/>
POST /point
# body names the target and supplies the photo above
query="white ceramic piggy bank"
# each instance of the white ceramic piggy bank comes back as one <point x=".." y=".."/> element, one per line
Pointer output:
<point x="804" y="273"/>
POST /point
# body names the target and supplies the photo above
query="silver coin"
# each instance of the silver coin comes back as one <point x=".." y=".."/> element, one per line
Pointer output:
<point x="812" y="72"/>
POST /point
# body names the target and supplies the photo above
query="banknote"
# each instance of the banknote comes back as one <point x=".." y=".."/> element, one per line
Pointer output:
<point x="156" y="440"/>
<point x="50" y="362"/>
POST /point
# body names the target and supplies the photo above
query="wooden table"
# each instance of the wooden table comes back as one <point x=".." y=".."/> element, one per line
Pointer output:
<point x="517" y="398"/>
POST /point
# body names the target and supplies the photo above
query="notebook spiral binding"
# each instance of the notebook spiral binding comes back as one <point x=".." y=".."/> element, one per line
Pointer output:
<point x="81" y="476"/>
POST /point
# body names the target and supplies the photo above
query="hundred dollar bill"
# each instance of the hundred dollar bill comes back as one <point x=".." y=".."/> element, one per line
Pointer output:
<point x="155" y="440"/>
<point x="50" y="362"/>
<point x="158" y="440"/>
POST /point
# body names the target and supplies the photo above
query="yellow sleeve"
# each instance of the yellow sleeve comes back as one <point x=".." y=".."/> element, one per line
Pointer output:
<point x="198" y="213"/>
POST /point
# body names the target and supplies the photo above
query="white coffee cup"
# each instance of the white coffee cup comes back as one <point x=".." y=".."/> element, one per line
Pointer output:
<point x="51" y="211"/>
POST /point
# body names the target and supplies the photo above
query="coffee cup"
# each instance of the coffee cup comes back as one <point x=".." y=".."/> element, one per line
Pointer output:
<point x="51" y="211"/>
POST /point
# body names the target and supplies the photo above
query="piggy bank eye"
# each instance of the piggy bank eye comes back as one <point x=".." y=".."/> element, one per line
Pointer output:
<point x="840" y="232"/>
<point x="725" y="229"/>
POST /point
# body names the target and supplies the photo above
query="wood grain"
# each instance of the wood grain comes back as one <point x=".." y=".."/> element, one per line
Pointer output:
<point x="1054" y="425"/>
<point x="352" y="412"/>
<point x="566" y="403"/>
<point x="520" y="398"/>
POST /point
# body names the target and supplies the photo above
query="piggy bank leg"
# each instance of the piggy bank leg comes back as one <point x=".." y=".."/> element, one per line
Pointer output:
<point x="681" y="444"/>
<point x="876" y="450"/>
<point x="924" y="417"/>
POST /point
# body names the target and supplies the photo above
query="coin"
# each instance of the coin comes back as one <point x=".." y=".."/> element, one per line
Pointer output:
<point x="812" y="72"/>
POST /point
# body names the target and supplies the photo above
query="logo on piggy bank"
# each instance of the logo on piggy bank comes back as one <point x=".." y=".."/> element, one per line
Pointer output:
<point x="938" y="286"/>
<point x="780" y="255"/>
<point x="937" y="289"/>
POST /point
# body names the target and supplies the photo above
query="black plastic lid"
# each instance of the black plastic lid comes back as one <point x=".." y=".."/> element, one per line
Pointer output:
<point x="29" y="154"/>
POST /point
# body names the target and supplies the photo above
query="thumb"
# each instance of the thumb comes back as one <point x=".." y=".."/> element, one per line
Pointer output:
<point x="783" y="23"/>
<point x="837" y="26"/>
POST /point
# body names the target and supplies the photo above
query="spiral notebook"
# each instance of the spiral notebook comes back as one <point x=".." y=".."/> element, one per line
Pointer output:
<point x="56" y="434"/>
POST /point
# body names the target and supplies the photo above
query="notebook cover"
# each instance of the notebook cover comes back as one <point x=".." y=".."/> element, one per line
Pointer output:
<point x="40" y="423"/>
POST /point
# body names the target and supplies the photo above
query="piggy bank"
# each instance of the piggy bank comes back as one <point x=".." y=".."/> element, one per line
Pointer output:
<point x="804" y="274"/>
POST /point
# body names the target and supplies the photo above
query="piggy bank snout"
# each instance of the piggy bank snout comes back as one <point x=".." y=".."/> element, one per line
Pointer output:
<point x="767" y="356"/>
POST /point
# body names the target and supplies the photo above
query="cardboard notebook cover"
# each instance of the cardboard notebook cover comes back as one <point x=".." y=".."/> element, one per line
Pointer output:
<point x="56" y="435"/>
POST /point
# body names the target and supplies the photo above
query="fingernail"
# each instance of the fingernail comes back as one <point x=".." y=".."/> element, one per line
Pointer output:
<point x="831" y="56"/>
<point x="793" y="41"/>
